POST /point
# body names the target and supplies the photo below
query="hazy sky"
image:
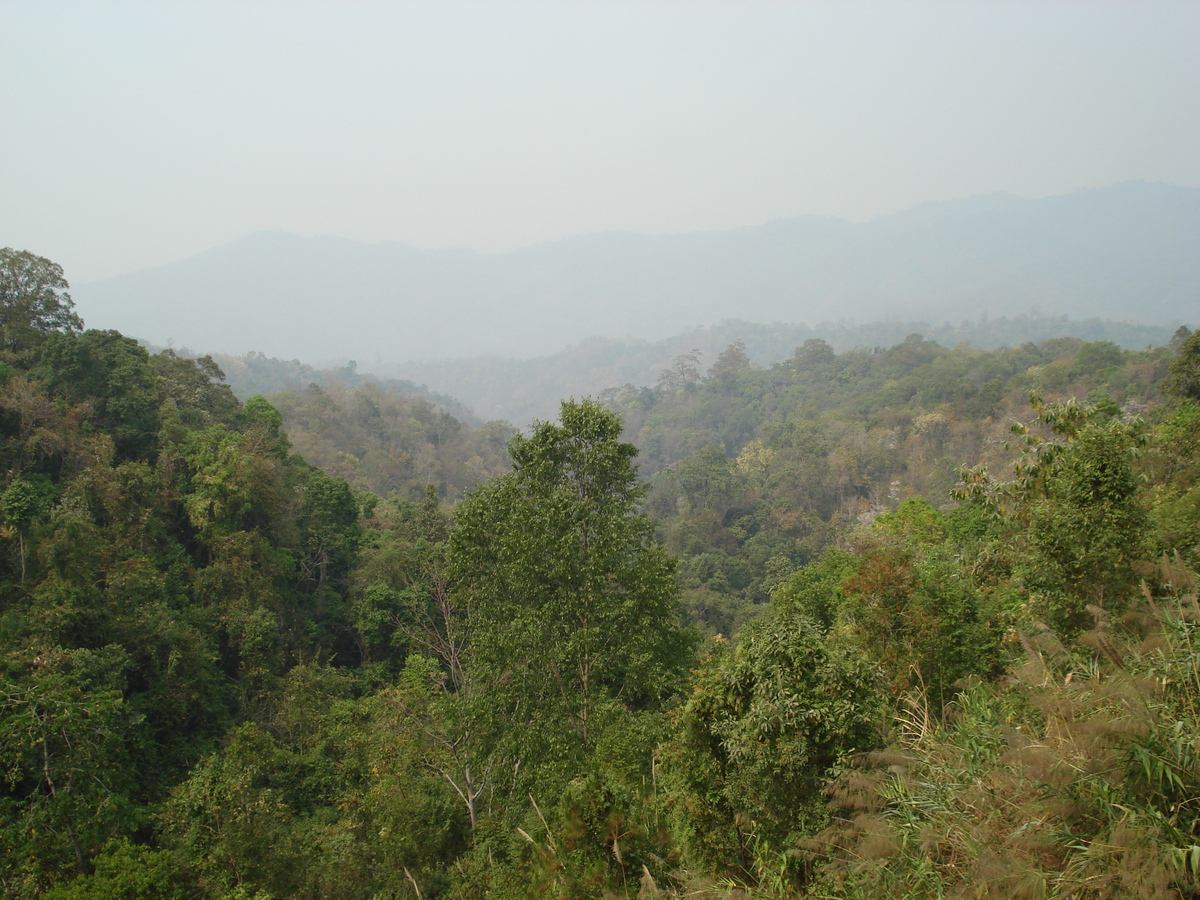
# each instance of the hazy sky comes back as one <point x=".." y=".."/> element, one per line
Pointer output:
<point x="135" y="134"/>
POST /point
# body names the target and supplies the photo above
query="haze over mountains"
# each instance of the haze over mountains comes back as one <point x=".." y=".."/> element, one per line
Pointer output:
<point x="1129" y="252"/>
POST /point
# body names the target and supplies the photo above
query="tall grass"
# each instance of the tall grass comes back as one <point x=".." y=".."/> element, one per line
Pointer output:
<point x="1077" y="776"/>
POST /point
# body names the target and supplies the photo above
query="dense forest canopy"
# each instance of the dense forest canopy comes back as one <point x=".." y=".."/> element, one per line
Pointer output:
<point x="903" y="621"/>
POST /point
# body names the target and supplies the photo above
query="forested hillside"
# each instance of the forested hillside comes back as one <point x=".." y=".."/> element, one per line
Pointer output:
<point x="520" y="390"/>
<point x="910" y="621"/>
<point x="387" y="436"/>
<point x="256" y="373"/>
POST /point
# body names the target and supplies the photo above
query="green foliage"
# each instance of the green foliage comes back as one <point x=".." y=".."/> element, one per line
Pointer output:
<point x="573" y="605"/>
<point x="1172" y="466"/>
<point x="329" y="521"/>
<point x="63" y="739"/>
<point x="400" y="594"/>
<point x="111" y="372"/>
<point x="916" y="521"/>
<point x="816" y="591"/>
<point x="1098" y="356"/>
<point x="684" y="371"/>
<point x="1086" y="525"/>
<point x="766" y="724"/>
<point x="34" y="303"/>
<point x="1184" y="378"/>
<point x="1075" y="519"/>
<point x="914" y="613"/>
<point x="231" y="825"/>
<point x="807" y="448"/>
<point x="126" y="871"/>
<point x="236" y="482"/>
<point x="332" y="796"/>
<point x="268" y="422"/>
<point x="225" y="673"/>
<point x="27" y="498"/>
<point x="193" y="390"/>
<point x="607" y="834"/>
<point x="390" y="442"/>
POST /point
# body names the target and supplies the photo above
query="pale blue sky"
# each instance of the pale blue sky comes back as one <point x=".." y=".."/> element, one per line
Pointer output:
<point x="135" y="134"/>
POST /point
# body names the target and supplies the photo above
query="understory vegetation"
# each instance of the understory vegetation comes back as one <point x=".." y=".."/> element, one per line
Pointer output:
<point x="907" y="621"/>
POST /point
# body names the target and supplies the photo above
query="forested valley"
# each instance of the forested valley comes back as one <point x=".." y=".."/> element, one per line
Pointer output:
<point x="910" y="621"/>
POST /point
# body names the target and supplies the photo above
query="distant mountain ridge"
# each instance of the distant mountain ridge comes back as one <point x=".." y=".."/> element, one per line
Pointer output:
<point x="1130" y="252"/>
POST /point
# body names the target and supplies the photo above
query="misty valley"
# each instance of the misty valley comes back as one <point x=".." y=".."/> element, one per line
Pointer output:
<point x="891" y="609"/>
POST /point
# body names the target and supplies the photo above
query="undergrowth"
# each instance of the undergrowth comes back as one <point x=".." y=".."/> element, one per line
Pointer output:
<point x="1076" y="776"/>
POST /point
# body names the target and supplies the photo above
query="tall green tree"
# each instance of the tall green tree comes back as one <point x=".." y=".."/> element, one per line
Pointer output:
<point x="33" y="302"/>
<point x="573" y="603"/>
